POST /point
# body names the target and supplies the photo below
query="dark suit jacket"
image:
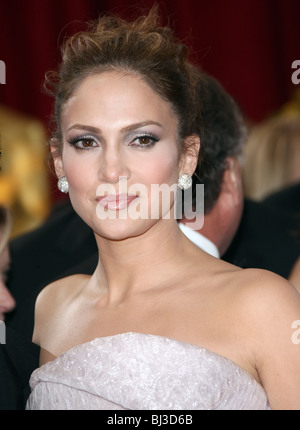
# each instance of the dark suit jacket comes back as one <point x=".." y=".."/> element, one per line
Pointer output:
<point x="266" y="239"/>
<point x="18" y="359"/>
<point x="287" y="200"/>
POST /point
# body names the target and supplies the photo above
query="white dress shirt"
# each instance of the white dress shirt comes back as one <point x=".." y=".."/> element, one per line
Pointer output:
<point x="200" y="240"/>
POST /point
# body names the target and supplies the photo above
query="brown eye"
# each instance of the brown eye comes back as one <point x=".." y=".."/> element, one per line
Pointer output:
<point x="87" y="143"/>
<point x="144" y="140"/>
<point x="84" y="142"/>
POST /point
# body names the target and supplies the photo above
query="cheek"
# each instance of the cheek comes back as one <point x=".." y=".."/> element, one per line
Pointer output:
<point x="162" y="169"/>
<point x="79" y="174"/>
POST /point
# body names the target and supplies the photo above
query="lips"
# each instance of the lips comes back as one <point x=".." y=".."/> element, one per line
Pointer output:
<point x="116" y="201"/>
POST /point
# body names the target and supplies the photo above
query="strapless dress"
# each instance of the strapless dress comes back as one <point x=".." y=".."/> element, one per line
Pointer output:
<point x="143" y="372"/>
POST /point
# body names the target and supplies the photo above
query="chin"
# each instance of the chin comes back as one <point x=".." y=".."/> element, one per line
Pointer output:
<point x="117" y="229"/>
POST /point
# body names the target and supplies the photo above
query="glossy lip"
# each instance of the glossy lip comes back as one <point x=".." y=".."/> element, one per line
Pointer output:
<point x="116" y="201"/>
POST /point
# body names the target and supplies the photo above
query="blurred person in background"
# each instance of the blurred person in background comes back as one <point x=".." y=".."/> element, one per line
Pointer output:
<point x="272" y="155"/>
<point x="7" y="302"/>
<point x="24" y="205"/>
<point x="219" y="166"/>
<point x="24" y="181"/>
<point x="288" y="201"/>
<point x="245" y="232"/>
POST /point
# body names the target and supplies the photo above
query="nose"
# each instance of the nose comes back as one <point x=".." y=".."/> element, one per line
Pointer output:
<point x="114" y="165"/>
<point x="7" y="302"/>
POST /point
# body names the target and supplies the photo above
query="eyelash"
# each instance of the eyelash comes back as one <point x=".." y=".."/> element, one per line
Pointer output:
<point x="154" y="139"/>
<point x="77" y="139"/>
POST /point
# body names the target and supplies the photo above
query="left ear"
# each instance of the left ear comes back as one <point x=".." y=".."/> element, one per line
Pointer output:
<point x="189" y="158"/>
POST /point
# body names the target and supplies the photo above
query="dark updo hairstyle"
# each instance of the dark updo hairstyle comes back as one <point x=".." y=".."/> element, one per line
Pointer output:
<point x="142" y="47"/>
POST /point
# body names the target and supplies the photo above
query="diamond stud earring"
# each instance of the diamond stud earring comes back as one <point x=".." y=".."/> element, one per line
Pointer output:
<point x="185" y="181"/>
<point x="63" y="185"/>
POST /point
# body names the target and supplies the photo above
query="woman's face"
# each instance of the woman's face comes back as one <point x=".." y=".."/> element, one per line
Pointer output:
<point x="7" y="302"/>
<point x="119" y="138"/>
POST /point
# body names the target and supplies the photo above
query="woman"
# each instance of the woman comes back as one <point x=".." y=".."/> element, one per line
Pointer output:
<point x="7" y="302"/>
<point x="160" y="324"/>
<point x="272" y="156"/>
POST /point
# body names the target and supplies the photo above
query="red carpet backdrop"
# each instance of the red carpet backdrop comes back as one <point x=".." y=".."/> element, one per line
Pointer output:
<point x="249" y="45"/>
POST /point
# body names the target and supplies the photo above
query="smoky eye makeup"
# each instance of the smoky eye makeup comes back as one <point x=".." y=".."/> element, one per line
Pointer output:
<point x="83" y="142"/>
<point x="137" y="140"/>
<point x="143" y="140"/>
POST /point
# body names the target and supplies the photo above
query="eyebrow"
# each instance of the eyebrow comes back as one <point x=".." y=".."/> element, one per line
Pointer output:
<point x="123" y="130"/>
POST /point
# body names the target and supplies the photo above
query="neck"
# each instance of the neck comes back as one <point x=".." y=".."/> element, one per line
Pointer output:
<point x="140" y="262"/>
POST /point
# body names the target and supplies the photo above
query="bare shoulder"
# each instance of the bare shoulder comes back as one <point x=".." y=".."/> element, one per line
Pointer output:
<point x="263" y="310"/>
<point x="53" y="298"/>
<point x="265" y="290"/>
<point x="260" y="294"/>
<point x="59" y="290"/>
<point x="269" y="312"/>
<point x="244" y="288"/>
<point x="270" y="305"/>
